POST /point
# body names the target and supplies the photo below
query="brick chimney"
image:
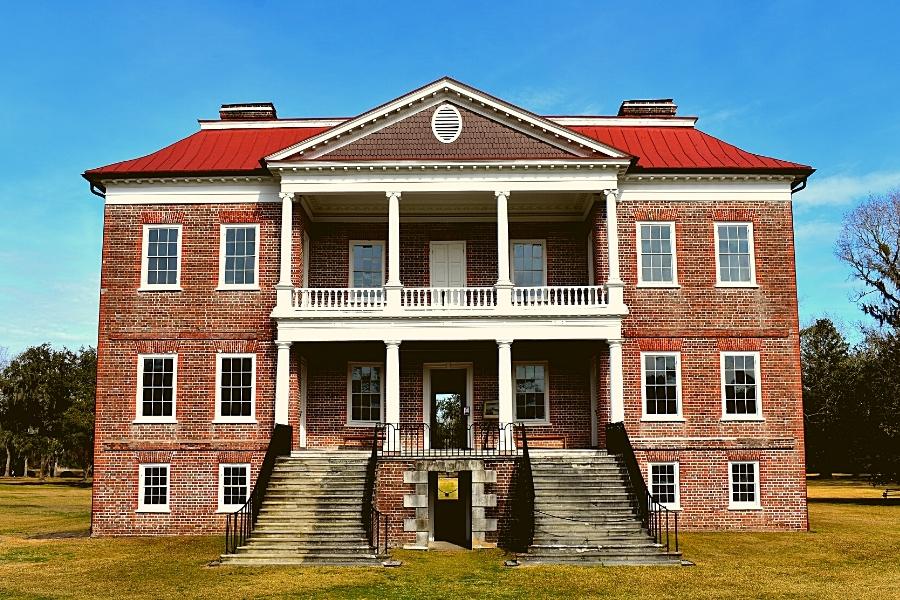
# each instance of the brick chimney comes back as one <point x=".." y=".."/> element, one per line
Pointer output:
<point x="248" y="111"/>
<point x="664" y="107"/>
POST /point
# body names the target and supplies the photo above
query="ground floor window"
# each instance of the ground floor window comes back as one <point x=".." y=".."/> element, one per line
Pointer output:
<point x="237" y="388"/>
<point x="234" y="485"/>
<point x="365" y="393"/>
<point x="744" y="484"/>
<point x="531" y="390"/>
<point x="664" y="484"/>
<point x="153" y="492"/>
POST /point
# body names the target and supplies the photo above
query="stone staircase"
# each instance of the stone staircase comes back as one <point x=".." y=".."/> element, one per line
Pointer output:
<point x="311" y="514"/>
<point x="586" y="514"/>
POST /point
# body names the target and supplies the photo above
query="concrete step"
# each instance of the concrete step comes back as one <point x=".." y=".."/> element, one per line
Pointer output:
<point x="268" y="559"/>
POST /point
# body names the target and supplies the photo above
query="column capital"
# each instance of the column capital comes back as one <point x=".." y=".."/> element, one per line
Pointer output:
<point x="280" y="344"/>
<point x="390" y="343"/>
<point x="287" y="195"/>
<point x="614" y="342"/>
<point x="503" y="193"/>
<point x="614" y="193"/>
<point x="504" y="342"/>
<point x="392" y="195"/>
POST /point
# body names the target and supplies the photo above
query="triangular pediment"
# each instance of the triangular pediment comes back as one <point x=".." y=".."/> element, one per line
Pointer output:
<point x="489" y="129"/>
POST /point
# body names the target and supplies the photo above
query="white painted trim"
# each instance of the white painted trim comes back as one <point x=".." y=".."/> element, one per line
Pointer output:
<point x="304" y="391"/>
<point x="139" y="418"/>
<point x="732" y="505"/>
<point x="350" y="245"/>
<point x="145" y="259"/>
<point x="272" y="124"/>
<point x="640" y="271"/>
<point x="677" y="504"/>
<point x="153" y="508"/>
<point x="750" y="246"/>
<point x="512" y="262"/>
<point x="219" y="418"/>
<point x="257" y="245"/>
<point x="593" y="386"/>
<point x="436" y="93"/>
<point x="678" y="416"/>
<point x="741" y="417"/>
<point x="426" y="392"/>
<point x="228" y="508"/>
<point x="350" y="365"/>
<point x="432" y="244"/>
<point x="306" y="254"/>
<point x="535" y="422"/>
<point x="192" y="191"/>
<point x="610" y="121"/>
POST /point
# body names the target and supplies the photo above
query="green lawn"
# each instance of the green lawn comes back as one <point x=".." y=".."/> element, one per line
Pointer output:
<point x="853" y="551"/>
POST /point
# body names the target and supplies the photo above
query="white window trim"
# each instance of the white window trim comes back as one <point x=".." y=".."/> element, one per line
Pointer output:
<point x="747" y="417"/>
<point x="229" y="419"/>
<point x="677" y="504"/>
<point x="305" y="256"/>
<point x="732" y="505"/>
<point x="677" y="417"/>
<point x="158" y="287"/>
<point x="512" y="260"/>
<point x="138" y="417"/>
<point x="351" y="422"/>
<point x="750" y="246"/>
<point x="640" y="272"/>
<point x="230" y="508"/>
<point x="154" y="508"/>
<point x="533" y="422"/>
<point x="350" y="259"/>
<point x="223" y="228"/>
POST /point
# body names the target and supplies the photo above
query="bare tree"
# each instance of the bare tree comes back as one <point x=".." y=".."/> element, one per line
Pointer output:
<point x="870" y="244"/>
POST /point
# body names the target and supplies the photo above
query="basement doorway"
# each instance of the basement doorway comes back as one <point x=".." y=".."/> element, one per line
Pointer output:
<point x="450" y="500"/>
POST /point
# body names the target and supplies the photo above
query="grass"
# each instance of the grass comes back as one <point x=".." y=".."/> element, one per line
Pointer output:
<point x="853" y="551"/>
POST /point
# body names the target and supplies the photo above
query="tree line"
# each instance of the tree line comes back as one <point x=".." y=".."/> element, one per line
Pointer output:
<point x="47" y="409"/>
<point x="851" y="392"/>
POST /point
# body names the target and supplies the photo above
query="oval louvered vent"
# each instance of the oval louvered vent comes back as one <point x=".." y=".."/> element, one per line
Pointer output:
<point x="446" y="123"/>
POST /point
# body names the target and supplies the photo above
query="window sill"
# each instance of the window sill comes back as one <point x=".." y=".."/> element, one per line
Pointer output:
<point x="171" y="421"/>
<point x="737" y="507"/>
<point x="238" y="288"/>
<point x="534" y="423"/>
<point x="658" y="286"/>
<point x="160" y="288"/>
<point x="150" y="510"/>
<point x="229" y="510"/>
<point x="234" y="421"/>
<point x="363" y="423"/>
<point x="748" y="285"/>
<point x="646" y="419"/>
<point x="742" y="419"/>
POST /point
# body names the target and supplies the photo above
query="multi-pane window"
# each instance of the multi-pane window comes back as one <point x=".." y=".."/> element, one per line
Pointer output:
<point x="161" y="255"/>
<point x="528" y="262"/>
<point x="366" y="264"/>
<point x="656" y="245"/>
<point x="664" y="483"/>
<point x="744" y="492"/>
<point x="740" y="384"/>
<point x="531" y="392"/>
<point x="154" y="488"/>
<point x="239" y="255"/>
<point x="366" y="392"/>
<point x="156" y="387"/>
<point x="236" y="386"/>
<point x="234" y="484"/>
<point x="661" y="385"/>
<point x="735" y="253"/>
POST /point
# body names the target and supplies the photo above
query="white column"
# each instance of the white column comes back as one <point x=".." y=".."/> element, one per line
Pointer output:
<point x="506" y="414"/>
<point x="283" y="383"/>
<point x="614" y="281"/>
<point x="616" y="383"/>
<point x="504" y="285"/>
<point x="284" y="289"/>
<point x="392" y="392"/>
<point x="393" y="285"/>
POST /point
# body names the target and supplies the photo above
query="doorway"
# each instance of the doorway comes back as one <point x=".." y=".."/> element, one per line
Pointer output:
<point x="451" y="494"/>
<point x="449" y="408"/>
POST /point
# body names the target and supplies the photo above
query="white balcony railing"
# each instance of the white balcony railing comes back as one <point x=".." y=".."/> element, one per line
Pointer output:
<point x="448" y="297"/>
<point x="339" y="298"/>
<point x="560" y="295"/>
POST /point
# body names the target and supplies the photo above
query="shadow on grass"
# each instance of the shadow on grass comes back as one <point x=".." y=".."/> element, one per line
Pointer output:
<point x="30" y="481"/>
<point x="857" y="501"/>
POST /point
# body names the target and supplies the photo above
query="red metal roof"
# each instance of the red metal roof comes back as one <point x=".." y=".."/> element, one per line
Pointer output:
<point x="238" y="151"/>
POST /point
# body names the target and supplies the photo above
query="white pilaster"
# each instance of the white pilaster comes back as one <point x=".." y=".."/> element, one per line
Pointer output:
<point x="616" y="382"/>
<point x="506" y="413"/>
<point x="283" y="383"/>
<point x="504" y="284"/>
<point x="392" y="392"/>
<point x="393" y="285"/>
<point x="614" y="281"/>
<point x="285" y="287"/>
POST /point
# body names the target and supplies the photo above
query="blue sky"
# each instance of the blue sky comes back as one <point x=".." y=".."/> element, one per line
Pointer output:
<point x="85" y="84"/>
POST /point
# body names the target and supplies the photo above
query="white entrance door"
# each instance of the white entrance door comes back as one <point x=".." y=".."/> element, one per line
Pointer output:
<point x="448" y="270"/>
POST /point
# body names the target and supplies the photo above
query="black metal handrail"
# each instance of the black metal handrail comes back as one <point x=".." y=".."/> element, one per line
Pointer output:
<point x="373" y="520"/>
<point x="660" y="522"/>
<point x="523" y="508"/>
<point x="418" y="440"/>
<point x="239" y="524"/>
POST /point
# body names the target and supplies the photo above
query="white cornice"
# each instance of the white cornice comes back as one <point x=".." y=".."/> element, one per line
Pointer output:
<point x="438" y="166"/>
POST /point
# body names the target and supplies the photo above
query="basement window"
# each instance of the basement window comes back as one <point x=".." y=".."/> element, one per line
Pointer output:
<point x="744" y="485"/>
<point x="153" y="488"/>
<point x="234" y="486"/>
<point x="664" y="484"/>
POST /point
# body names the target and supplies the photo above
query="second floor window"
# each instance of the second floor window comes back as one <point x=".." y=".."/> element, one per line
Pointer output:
<point x="528" y="263"/>
<point x="156" y="388"/>
<point x="662" y="385"/>
<point x="656" y="254"/>
<point x="366" y="264"/>
<point x="161" y="268"/>
<point x="240" y="256"/>
<point x="734" y="254"/>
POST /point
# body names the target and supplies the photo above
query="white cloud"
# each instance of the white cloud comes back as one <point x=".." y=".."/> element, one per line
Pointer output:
<point x="816" y="231"/>
<point x="841" y="189"/>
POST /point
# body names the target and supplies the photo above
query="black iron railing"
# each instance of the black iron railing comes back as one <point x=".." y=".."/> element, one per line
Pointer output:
<point x="239" y="524"/>
<point x="374" y="522"/>
<point x="661" y="522"/>
<point x="419" y="440"/>
<point x="523" y="509"/>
